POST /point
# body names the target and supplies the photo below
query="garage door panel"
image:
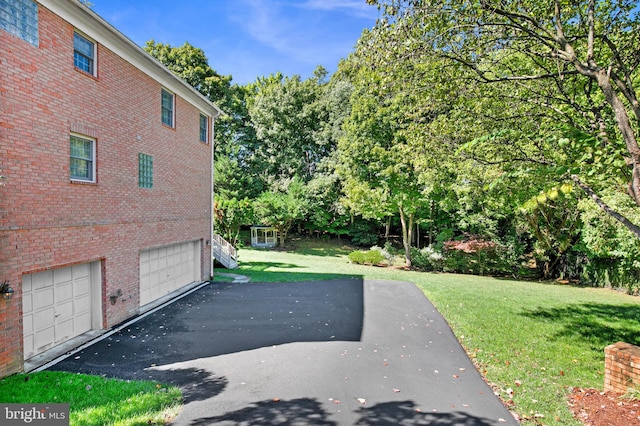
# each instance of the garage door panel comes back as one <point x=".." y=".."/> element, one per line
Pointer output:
<point x="42" y="280"/>
<point x="81" y="287"/>
<point x="64" y="310"/>
<point x="81" y="271"/>
<point x="82" y="304"/>
<point x="64" y="330"/>
<point x="42" y="298"/>
<point x="62" y="275"/>
<point x="29" y="345"/>
<point x="44" y="318"/>
<point x="27" y="302"/>
<point x="82" y="322"/>
<point x="64" y="292"/>
<point x="44" y="339"/>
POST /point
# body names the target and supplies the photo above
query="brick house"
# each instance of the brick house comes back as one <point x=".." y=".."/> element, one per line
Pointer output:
<point x="107" y="155"/>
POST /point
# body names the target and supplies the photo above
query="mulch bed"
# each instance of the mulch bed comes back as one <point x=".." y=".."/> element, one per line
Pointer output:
<point x="597" y="408"/>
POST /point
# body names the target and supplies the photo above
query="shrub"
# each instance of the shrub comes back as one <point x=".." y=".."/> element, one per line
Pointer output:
<point x="363" y="233"/>
<point x="388" y="252"/>
<point x="479" y="257"/>
<point x="370" y="257"/>
<point x="427" y="258"/>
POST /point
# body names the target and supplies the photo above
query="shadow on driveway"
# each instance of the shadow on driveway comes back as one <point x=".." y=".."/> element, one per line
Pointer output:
<point x="340" y="352"/>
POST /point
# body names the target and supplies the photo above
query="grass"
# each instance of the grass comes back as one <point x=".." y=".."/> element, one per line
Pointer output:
<point x="95" y="400"/>
<point x="538" y="340"/>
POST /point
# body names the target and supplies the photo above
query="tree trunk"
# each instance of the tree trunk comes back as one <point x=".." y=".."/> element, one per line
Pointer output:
<point x="407" y="232"/>
<point x="635" y="230"/>
<point x="624" y="125"/>
<point x="387" y="229"/>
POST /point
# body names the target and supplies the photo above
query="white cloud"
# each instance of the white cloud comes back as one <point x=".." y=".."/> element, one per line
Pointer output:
<point x="310" y="32"/>
<point x="354" y="7"/>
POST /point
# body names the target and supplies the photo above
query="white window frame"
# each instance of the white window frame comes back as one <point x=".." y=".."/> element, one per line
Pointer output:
<point x="93" y="159"/>
<point x="173" y="108"/>
<point x="94" y="59"/>
<point x="207" y="121"/>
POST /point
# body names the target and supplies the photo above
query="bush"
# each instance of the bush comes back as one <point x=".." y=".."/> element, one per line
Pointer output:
<point x="479" y="257"/>
<point x="364" y="234"/>
<point x="388" y="252"/>
<point x="370" y="257"/>
<point x="427" y="259"/>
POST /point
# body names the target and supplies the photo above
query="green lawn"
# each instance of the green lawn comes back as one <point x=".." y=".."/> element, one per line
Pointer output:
<point x="537" y="339"/>
<point x="95" y="400"/>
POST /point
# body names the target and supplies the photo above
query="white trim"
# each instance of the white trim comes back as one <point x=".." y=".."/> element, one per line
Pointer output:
<point x="90" y="23"/>
<point x="173" y="107"/>
<point x="94" y="160"/>
<point x="207" y="137"/>
<point x="94" y="68"/>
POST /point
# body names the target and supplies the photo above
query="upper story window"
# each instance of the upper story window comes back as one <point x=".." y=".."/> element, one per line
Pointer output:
<point x="20" y="18"/>
<point x="168" y="106"/>
<point x="84" y="53"/>
<point x="204" y="128"/>
<point x="83" y="159"/>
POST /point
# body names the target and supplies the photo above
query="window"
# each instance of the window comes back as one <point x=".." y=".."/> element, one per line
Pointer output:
<point x="145" y="171"/>
<point x="83" y="153"/>
<point x="20" y="18"/>
<point x="83" y="53"/>
<point x="167" y="108"/>
<point x="204" y="128"/>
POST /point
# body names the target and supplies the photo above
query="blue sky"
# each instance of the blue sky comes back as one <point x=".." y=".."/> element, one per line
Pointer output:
<point x="248" y="38"/>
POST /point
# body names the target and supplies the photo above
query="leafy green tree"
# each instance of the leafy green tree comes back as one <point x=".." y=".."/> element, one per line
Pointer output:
<point x="229" y="215"/>
<point x="191" y="64"/>
<point x="377" y="158"/>
<point x="576" y="62"/>
<point x="281" y="209"/>
<point x="287" y="115"/>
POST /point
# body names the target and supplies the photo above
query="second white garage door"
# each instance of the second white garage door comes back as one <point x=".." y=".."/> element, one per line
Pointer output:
<point x="165" y="269"/>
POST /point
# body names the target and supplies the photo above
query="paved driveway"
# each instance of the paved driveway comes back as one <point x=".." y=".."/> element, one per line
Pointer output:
<point x="342" y="352"/>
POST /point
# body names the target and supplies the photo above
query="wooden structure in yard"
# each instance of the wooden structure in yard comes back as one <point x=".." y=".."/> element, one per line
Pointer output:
<point x="264" y="236"/>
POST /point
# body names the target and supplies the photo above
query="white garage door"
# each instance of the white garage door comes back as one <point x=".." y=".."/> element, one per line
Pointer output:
<point x="165" y="269"/>
<point x="57" y="306"/>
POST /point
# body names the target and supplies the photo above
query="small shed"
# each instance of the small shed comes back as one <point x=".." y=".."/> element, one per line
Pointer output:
<point x="264" y="236"/>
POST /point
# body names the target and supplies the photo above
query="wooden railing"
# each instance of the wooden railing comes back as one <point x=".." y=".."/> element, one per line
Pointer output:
<point x="224" y="252"/>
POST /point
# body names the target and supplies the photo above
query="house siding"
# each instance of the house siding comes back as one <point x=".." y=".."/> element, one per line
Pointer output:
<point x="46" y="220"/>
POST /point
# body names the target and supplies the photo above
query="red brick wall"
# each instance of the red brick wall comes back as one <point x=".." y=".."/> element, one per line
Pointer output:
<point x="621" y="367"/>
<point x="48" y="222"/>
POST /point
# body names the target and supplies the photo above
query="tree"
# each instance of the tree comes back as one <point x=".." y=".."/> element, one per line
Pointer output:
<point x="191" y="64"/>
<point x="229" y="215"/>
<point x="377" y="158"/>
<point x="287" y="115"/>
<point x="281" y="209"/>
<point x="577" y="60"/>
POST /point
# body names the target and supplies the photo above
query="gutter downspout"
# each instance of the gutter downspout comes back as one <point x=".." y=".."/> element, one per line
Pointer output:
<point x="213" y="121"/>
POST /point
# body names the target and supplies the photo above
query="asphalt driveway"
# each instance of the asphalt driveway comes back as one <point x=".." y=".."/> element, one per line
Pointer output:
<point x="342" y="352"/>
